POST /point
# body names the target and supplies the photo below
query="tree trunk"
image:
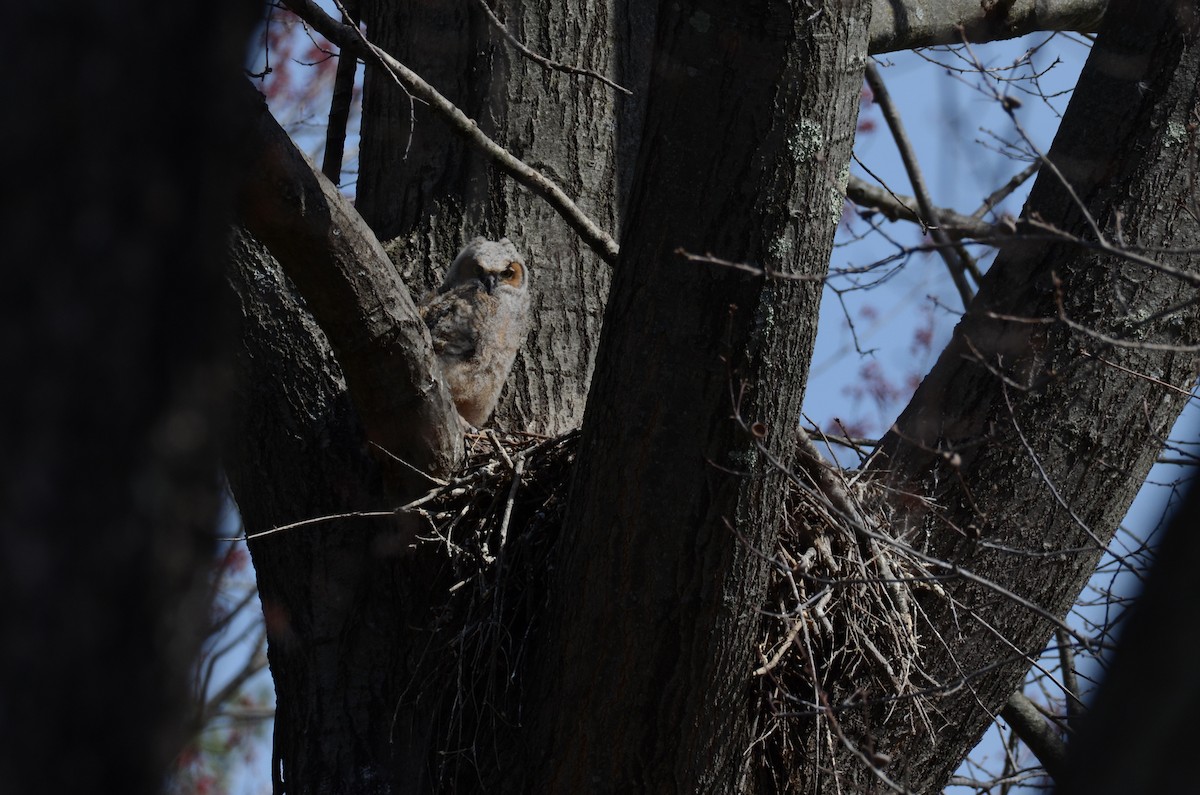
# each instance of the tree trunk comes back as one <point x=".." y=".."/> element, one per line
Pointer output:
<point x="346" y="603"/>
<point x="653" y="606"/>
<point x="1033" y="437"/>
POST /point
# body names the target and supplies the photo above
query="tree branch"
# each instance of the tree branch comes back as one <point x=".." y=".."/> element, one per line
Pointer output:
<point x="1071" y="692"/>
<point x="903" y="208"/>
<point x="955" y="261"/>
<point x="905" y="24"/>
<point x="1036" y="733"/>
<point x="351" y="40"/>
<point x="353" y="291"/>
<point x="339" y="115"/>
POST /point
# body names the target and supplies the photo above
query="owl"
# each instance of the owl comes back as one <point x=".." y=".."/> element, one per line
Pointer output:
<point x="478" y="318"/>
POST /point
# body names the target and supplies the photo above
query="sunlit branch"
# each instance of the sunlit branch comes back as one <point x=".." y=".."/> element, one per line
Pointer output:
<point x="905" y="24"/>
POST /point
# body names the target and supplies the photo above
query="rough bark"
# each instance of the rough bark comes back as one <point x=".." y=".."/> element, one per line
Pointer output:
<point x="364" y="309"/>
<point x="653" y="607"/>
<point x="119" y="176"/>
<point x="346" y="603"/>
<point x="1091" y="413"/>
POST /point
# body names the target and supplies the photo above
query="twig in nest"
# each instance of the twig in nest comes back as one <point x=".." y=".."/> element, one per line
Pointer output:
<point x="512" y="493"/>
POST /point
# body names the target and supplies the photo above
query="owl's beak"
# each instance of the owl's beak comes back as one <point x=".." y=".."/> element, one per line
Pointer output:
<point x="489" y="282"/>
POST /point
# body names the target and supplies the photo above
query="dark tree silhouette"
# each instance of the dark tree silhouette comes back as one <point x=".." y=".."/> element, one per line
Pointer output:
<point x="120" y="156"/>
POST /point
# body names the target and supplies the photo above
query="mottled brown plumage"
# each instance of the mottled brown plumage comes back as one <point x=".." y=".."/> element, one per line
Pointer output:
<point x="478" y="318"/>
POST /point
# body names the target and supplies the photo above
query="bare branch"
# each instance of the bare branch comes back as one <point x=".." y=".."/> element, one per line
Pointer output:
<point x="905" y="24"/>
<point x="254" y="662"/>
<point x="1006" y="190"/>
<point x="1024" y="718"/>
<point x="339" y="114"/>
<point x="904" y="208"/>
<point x="766" y="270"/>
<point x="1071" y="693"/>
<point x="955" y="261"/>
<point x="351" y="40"/>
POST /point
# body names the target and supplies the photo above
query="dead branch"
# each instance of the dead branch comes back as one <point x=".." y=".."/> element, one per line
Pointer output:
<point x="956" y="258"/>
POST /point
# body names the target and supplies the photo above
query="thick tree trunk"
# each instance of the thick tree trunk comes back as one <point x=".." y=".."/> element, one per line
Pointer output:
<point x="346" y="604"/>
<point x="1033" y="437"/>
<point x="652" y="615"/>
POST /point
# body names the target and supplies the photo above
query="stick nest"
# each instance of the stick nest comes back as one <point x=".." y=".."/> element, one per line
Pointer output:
<point x="496" y="522"/>
<point x="839" y="641"/>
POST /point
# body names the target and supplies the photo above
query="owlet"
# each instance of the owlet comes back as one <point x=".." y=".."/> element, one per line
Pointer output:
<point x="478" y="318"/>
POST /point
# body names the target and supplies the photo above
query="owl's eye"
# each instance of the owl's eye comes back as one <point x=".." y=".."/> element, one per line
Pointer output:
<point x="511" y="272"/>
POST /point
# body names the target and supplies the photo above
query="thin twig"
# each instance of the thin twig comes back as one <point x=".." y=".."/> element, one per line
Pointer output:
<point x="512" y="495"/>
<point x="954" y="263"/>
<point x="313" y="521"/>
<point x="254" y="663"/>
<point x="1045" y="476"/>
<point x="1006" y="190"/>
<point x="543" y="61"/>
<point x="758" y="270"/>
<point x="1187" y="393"/>
<point x="415" y="470"/>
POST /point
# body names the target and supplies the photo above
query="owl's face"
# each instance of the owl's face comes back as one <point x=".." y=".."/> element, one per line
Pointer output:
<point x="495" y="265"/>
